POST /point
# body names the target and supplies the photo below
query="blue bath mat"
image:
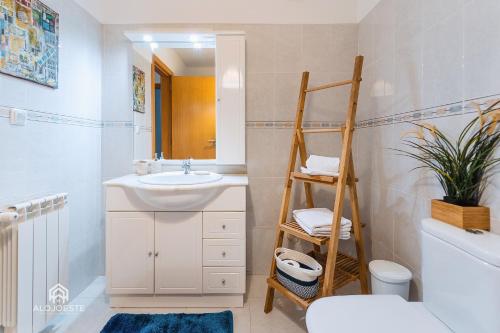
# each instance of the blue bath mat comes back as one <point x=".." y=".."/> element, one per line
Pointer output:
<point x="170" y="323"/>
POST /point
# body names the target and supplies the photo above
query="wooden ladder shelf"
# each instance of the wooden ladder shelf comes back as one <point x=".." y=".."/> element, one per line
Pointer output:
<point x="339" y="269"/>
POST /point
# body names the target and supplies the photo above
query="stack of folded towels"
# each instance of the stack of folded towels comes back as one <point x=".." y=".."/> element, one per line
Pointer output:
<point x="318" y="222"/>
<point x="321" y="166"/>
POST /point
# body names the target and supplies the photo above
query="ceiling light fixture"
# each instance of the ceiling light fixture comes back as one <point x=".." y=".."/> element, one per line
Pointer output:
<point x="194" y="38"/>
<point x="147" y="38"/>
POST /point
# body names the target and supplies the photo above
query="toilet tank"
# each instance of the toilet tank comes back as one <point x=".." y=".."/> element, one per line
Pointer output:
<point x="461" y="277"/>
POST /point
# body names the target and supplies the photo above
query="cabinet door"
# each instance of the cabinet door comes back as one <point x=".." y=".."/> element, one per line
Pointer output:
<point x="178" y="256"/>
<point x="129" y="253"/>
<point x="230" y="73"/>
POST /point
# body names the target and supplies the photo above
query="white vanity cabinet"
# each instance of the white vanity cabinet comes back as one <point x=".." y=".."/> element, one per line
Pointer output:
<point x="178" y="255"/>
<point x="130" y="243"/>
<point x="168" y="258"/>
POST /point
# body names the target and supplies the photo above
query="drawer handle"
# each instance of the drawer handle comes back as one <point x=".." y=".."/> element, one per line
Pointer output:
<point x="223" y="254"/>
<point x="223" y="282"/>
<point x="223" y="227"/>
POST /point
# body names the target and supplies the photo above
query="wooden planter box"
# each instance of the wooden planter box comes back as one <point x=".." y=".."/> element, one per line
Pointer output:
<point x="461" y="217"/>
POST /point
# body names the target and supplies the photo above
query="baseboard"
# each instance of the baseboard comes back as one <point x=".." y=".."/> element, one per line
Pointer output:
<point x="184" y="301"/>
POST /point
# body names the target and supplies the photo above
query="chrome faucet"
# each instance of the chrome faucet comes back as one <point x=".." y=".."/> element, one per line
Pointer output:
<point x="186" y="166"/>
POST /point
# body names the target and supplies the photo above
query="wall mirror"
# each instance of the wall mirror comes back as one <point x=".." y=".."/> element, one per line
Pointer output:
<point x="196" y="84"/>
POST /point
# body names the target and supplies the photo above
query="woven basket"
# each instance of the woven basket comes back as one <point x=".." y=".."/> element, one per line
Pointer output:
<point x="298" y="272"/>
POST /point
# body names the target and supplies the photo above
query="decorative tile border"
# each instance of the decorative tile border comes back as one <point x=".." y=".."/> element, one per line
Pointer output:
<point x="291" y="124"/>
<point x="459" y="108"/>
<point x="61" y="119"/>
<point x="54" y="118"/>
<point x="117" y="124"/>
<point x="454" y="109"/>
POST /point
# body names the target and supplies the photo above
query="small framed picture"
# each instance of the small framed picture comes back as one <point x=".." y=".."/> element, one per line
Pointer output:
<point x="139" y="84"/>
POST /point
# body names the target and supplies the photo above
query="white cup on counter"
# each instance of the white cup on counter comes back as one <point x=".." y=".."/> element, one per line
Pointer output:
<point x="141" y="167"/>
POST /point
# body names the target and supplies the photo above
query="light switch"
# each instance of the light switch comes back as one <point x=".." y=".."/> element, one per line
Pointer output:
<point x="18" y="117"/>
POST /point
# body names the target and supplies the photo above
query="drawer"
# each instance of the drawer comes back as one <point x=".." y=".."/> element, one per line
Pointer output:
<point x="224" y="280"/>
<point x="224" y="225"/>
<point x="223" y="252"/>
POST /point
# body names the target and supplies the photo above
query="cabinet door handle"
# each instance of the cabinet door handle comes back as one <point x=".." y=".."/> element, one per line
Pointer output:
<point x="157" y="254"/>
<point x="223" y="282"/>
<point x="223" y="227"/>
<point x="223" y="254"/>
<point x="150" y="254"/>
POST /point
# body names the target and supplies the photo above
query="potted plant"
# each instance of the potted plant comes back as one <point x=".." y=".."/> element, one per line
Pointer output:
<point x="462" y="166"/>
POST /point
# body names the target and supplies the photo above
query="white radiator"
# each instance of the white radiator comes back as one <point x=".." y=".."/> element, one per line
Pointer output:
<point x="33" y="259"/>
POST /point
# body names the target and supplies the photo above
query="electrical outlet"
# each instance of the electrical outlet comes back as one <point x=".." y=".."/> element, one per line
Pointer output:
<point x="18" y="117"/>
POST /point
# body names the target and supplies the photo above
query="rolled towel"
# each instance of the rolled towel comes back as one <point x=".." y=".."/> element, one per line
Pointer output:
<point x="316" y="164"/>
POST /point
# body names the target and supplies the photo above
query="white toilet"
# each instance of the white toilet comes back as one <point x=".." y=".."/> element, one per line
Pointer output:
<point x="461" y="288"/>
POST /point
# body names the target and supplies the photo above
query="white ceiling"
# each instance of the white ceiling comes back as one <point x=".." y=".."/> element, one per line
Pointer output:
<point x="227" y="11"/>
<point x="197" y="57"/>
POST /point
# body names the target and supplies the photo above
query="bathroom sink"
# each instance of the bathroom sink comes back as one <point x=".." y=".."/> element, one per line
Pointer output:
<point x="179" y="178"/>
<point x="176" y="190"/>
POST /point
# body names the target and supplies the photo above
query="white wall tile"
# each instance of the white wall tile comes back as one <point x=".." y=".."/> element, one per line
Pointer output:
<point x="45" y="157"/>
<point x="443" y="53"/>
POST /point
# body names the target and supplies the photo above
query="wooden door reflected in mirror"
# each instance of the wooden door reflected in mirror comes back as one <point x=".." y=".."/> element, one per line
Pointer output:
<point x="184" y="104"/>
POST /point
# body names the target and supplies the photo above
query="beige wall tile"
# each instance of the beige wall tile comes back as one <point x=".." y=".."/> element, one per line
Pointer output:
<point x="263" y="201"/>
<point x="282" y="144"/>
<point x="260" y="97"/>
<point x="318" y="48"/>
<point x="260" y="159"/>
<point x="260" y="48"/>
<point x="260" y="243"/>
<point x="287" y="88"/>
<point x="288" y="48"/>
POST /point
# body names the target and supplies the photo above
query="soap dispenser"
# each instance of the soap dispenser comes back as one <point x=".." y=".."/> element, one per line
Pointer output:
<point x="156" y="165"/>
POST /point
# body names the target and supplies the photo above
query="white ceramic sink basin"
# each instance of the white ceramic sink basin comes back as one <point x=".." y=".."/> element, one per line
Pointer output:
<point x="179" y="178"/>
<point x="176" y="190"/>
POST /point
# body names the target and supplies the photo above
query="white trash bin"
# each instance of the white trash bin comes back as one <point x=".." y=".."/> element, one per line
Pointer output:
<point x="389" y="278"/>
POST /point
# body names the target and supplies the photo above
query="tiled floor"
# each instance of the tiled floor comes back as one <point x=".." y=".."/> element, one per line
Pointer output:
<point x="285" y="317"/>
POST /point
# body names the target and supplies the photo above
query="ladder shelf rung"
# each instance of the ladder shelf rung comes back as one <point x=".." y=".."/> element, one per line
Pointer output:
<point x="327" y="180"/>
<point x="294" y="229"/>
<point x="275" y="284"/>
<point x="329" y="85"/>
<point x="324" y="130"/>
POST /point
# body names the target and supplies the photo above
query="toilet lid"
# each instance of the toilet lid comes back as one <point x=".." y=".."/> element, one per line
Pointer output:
<point x="371" y="313"/>
<point x="389" y="271"/>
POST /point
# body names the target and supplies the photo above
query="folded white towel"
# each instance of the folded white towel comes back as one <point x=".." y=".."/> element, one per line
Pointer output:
<point x="318" y="222"/>
<point x="318" y="217"/>
<point x="328" y="229"/>
<point x="318" y="173"/>
<point x="343" y="235"/>
<point x="323" y="164"/>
